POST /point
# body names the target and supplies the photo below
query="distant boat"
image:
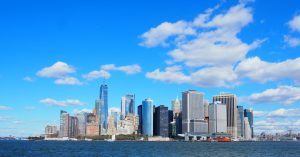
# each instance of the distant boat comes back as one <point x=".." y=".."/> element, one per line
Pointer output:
<point x="219" y="139"/>
<point x="88" y="139"/>
<point x="113" y="138"/>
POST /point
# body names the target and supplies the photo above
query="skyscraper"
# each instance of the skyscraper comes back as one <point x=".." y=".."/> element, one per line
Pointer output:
<point x="231" y="102"/>
<point x="64" y="124"/>
<point x="249" y="113"/>
<point x="147" y="115"/>
<point x="104" y="98"/>
<point x="140" y="111"/>
<point x="129" y="104"/>
<point x="73" y="126"/>
<point x="82" y="119"/>
<point x="123" y="107"/>
<point x="217" y="118"/>
<point x="240" y="121"/>
<point x="161" y="124"/>
<point x="193" y="113"/>
<point x="99" y="106"/>
<point x="247" y="129"/>
<point x="176" y="107"/>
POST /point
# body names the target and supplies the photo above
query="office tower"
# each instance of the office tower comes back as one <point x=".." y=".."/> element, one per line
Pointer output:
<point x="176" y="107"/>
<point x="171" y="123"/>
<point x="193" y="113"/>
<point x="249" y="113"/>
<point x="240" y="122"/>
<point x="92" y="125"/>
<point x="206" y="104"/>
<point x="99" y="106"/>
<point x="104" y="98"/>
<point x="231" y="102"/>
<point x="247" y="129"/>
<point x="129" y="104"/>
<point x="129" y="125"/>
<point x="64" y="124"/>
<point x="178" y="123"/>
<point x="140" y="130"/>
<point x="217" y="117"/>
<point x="147" y="115"/>
<point x="50" y="131"/>
<point x="123" y="107"/>
<point x="115" y="114"/>
<point x="82" y="118"/>
<point x="161" y="123"/>
<point x="111" y="129"/>
<point x="73" y="126"/>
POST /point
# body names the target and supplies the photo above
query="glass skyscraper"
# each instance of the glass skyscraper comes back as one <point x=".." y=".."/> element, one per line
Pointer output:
<point x="240" y="123"/>
<point x="249" y="113"/>
<point x="129" y="104"/>
<point x="104" y="98"/>
<point x="161" y="123"/>
<point x="147" y="116"/>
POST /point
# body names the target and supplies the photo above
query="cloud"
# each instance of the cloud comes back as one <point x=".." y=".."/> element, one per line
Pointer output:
<point x="157" y="36"/>
<point x="273" y="126"/>
<point x="105" y="69"/>
<point x="128" y="69"/>
<point x="205" y="77"/>
<point x="282" y="112"/>
<point x="57" y="70"/>
<point x="85" y="110"/>
<point x="28" y="79"/>
<point x="68" y="81"/>
<point x="63" y="103"/>
<point x="171" y="74"/>
<point x="286" y="95"/>
<point x="215" y="41"/>
<point x="294" y="24"/>
<point x="261" y="71"/>
<point x="292" y="41"/>
<point x="3" y="107"/>
<point x="29" y="108"/>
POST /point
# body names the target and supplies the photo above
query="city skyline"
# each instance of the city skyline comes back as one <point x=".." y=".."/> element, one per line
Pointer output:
<point x="54" y="58"/>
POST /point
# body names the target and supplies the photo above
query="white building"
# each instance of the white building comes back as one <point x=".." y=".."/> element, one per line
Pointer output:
<point x="247" y="129"/>
<point x="217" y="117"/>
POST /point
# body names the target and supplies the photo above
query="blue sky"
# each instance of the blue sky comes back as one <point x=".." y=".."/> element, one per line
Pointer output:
<point x="151" y="48"/>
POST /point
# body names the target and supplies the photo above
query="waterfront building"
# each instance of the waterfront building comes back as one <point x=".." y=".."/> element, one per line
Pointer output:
<point x="92" y="126"/>
<point x="104" y="98"/>
<point x="193" y="113"/>
<point x="111" y="130"/>
<point x="82" y="120"/>
<point x="217" y="117"/>
<point x="249" y="113"/>
<point x="129" y="125"/>
<point x="240" y="122"/>
<point x="123" y="107"/>
<point x="231" y="102"/>
<point x="176" y="107"/>
<point x="51" y="131"/>
<point x="161" y="123"/>
<point x="247" y="129"/>
<point x="205" y="107"/>
<point x="73" y="126"/>
<point x="64" y="124"/>
<point x="140" y="129"/>
<point x="147" y="117"/>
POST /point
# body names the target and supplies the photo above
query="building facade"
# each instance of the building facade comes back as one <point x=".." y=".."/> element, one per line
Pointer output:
<point x="217" y="118"/>
<point x="240" y="122"/>
<point x="104" y="98"/>
<point x="147" y="117"/>
<point x="82" y="120"/>
<point x="231" y="102"/>
<point x="161" y="123"/>
<point x="64" y="124"/>
<point x="249" y="114"/>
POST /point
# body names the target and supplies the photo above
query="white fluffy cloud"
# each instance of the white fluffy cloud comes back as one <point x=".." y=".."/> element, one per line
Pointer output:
<point x="85" y="110"/>
<point x="3" y="107"/>
<point x="292" y="41"/>
<point x="105" y="69"/>
<point x="206" y="77"/>
<point x="282" y="112"/>
<point x="273" y="126"/>
<point x="261" y="71"/>
<point x="158" y="35"/>
<point x="294" y="24"/>
<point x="282" y="95"/>
<point x="61" y="72"/>
<point x="68" y="81"/>
<point x="128" y="69"/>
<point x="57" y="70"/>
<point x="63" y="103"/>
<point x="213" y="40"/>
<point x="27" y="78"/>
